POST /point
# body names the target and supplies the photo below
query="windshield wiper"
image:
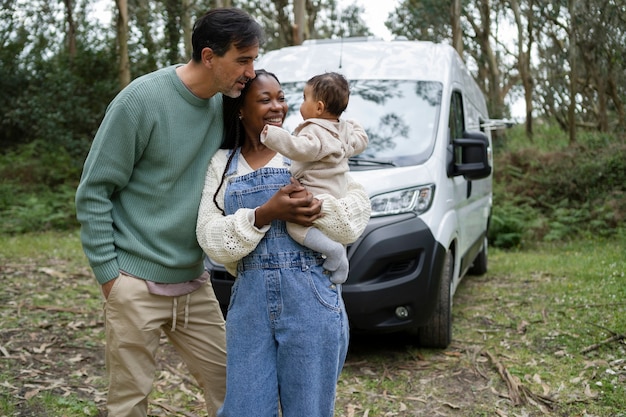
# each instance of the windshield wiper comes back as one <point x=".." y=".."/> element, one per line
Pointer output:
<point x="369" y="161"/>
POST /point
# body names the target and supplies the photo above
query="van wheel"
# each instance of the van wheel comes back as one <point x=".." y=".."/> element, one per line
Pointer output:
<point x="479" y="267"/>
<point x="438" y="332"/>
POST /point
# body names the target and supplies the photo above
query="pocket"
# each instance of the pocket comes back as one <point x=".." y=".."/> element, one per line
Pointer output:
<point x="233" y="293"/>
<point x="114" y="289"/>
<point x="327" y="293"/>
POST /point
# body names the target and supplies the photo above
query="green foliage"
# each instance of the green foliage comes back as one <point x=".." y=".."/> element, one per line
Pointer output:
<point x="6" y="405"/>
<point x="46" y="210"/>
<point x="546" y="189"/>
<point x="37" y="189"/>
<point x="62" y="102"/>
<point x="427" y="20"/>
<point x="325" y="20"/>
<point x="508" y="223"/>
<point x="50" y="94"/>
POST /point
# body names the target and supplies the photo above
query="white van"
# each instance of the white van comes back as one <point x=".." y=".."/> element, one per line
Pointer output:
<point x="427" y="170"/>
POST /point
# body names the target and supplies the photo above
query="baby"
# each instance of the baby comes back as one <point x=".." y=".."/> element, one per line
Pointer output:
<point x="319" y="150"/>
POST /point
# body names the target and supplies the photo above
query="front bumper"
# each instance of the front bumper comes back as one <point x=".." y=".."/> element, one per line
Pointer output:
<point x="396" y="263"/>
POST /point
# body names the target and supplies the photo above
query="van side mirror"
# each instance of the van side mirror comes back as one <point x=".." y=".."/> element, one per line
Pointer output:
<point x="470" y="156"/>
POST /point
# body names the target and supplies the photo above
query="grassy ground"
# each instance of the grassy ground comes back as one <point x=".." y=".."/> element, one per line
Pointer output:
<point x="542" y="333"/>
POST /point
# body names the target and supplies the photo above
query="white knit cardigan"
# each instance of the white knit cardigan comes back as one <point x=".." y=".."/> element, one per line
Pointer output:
<point x="227" y="239"/>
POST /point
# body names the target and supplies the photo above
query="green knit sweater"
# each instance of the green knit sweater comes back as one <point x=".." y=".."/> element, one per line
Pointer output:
<point x="139" y="193"/>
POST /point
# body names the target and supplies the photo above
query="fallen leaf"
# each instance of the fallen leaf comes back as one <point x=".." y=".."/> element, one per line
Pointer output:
<point x="367" y="371"/>
<point x="42" y="348"/>
<point x="52" y="272"/>
<point x="76" y="358"/>
<point x="31" y="394"/>
<point x="521" y="328"/>
<point x="590" y="393"/>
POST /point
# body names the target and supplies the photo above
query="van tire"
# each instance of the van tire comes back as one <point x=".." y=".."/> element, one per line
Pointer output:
<point x="479" y="267"/>
<point x="437" y="333"/>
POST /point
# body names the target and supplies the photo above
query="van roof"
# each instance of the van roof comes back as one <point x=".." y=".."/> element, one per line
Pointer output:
<point x="376" y="59"/>
<point x="364" y="58"/>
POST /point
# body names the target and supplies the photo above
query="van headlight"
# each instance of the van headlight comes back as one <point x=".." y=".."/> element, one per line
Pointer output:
<point x="416" y="200"/>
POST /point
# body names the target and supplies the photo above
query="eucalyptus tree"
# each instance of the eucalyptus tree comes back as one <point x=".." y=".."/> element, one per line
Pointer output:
<point x="427" y="20"/>
<point x="600" y="38"/>
<point x="441" y="21"/>
<point x="145" y="18"/>
<point x="71" y="28"/>
<point x="285" y="24"/>
<point x="572" y="59"/>
<point x="158" y="32"/>
<point x="122" y="43"/>
<point x="567" y="56"/>
<point x="495" y="82"/>
<point x="350" y="23"/>
<point x="148" y="34"/>
<point x="55" y="74"/>
<point x="524" y="15"/>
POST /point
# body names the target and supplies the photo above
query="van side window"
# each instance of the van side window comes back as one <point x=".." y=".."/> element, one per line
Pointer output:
<point x="456" y="119"/>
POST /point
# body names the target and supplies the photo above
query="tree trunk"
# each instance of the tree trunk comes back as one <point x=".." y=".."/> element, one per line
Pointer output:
<point x="491" y="61"/>
<point x="172" y="29"/>
<point x="599" y="84"/>
<point x="524" y="46"/>
<point x="122" y="43"/>
<point x="571" y="113"/>
<point x="71" y="29"/>
<point x="143" y="19"/>
<point x="457" y="34"/>
<point x="619" y="104"/>
<point x="298" y="19"/>
<point x="186" y="25"/>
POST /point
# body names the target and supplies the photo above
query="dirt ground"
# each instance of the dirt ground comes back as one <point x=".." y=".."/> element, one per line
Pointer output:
<point x="51" y="342"/>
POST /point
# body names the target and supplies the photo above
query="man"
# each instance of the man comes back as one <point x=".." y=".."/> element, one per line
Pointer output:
<point x="137" y="202"/>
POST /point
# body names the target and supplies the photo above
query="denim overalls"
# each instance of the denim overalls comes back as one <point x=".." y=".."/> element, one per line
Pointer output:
<point x="286" y="330"/>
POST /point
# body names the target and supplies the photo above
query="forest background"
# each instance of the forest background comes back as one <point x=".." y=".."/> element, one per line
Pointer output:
<point x="559" y="173"/>
<point x="536" y="324"/>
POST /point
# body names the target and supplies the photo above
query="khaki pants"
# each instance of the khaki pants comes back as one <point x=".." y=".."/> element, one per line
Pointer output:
<point x="134" y="320"/>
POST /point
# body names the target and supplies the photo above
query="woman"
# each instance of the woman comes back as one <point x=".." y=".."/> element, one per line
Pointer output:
<point x="286" y="330"/>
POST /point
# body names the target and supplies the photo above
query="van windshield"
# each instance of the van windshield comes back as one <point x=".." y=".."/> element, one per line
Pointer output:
<point x="400" y="118"/>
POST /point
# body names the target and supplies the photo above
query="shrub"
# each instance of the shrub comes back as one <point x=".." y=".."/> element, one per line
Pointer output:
<point x="549" y="190"/>
<point x="37" y="189"/>
<point x="544" y="190"/>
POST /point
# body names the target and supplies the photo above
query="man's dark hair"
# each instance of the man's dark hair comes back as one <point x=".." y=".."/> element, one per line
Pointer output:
<point x="220" y="28"/>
